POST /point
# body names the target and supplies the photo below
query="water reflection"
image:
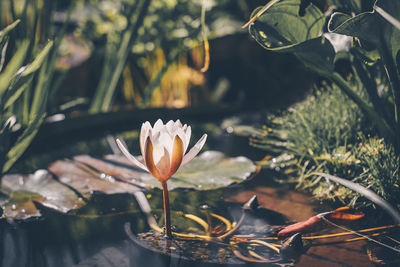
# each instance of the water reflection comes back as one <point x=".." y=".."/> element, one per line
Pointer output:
<point x="96" y="236"/>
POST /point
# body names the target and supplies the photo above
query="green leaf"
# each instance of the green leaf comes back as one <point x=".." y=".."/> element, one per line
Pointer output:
<point x="23" y="141"/>
<point x="7" y="29"/>
<point x="15" y="92"/>
<point x="12" y="68"/>
<point x="371" y="26"/>
<point x="86" y="181"/>
<point x="210" y="170"/>
<point x="39" y="187"/>
<point x="364" y="192"/>
<point x="282" y="29"/>
<point x="39" y="59"/>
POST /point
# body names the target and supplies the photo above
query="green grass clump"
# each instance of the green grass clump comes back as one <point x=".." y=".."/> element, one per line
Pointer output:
<point x="328" y="133"/>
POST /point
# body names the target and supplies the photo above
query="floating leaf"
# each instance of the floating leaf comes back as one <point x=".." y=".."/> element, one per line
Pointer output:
<point x="87" y="182"/>
<point x="210" y="170"/>
<point x="39" y="187"/>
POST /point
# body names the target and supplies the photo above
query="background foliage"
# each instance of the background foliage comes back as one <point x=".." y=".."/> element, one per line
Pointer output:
<point x="330" y="132"/>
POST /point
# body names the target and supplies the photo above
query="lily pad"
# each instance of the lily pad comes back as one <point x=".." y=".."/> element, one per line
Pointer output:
<point x="87" y="181"/>
<point x="68" y="182"/>
<point x="210" y="170"/>
<point x="24" y="190"/>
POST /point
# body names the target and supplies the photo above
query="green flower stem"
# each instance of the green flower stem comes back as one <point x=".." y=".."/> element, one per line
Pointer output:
<point x="167" y="215"/>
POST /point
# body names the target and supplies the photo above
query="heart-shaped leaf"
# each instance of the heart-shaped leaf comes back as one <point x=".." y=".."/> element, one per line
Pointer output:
<point x="210" y="170"/>
<point x="371" y="26"/>
<point x="283" y="29"/>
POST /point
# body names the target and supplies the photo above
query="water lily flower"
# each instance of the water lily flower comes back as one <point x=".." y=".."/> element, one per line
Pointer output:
<point x="163" y="148"/>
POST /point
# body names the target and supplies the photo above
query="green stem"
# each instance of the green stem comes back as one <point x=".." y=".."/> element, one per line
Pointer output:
<point x="370" y="86"/>
<point x="380" y="124"/>
<point x="394" y="82"/>
<point x="167" y="215"/>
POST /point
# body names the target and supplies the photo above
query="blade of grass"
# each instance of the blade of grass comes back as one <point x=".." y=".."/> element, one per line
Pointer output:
<point x="12" y="67"/>
<point x="23" y="141"/>
<point x="7" y="29"/>
<point x="104" y="94"/>
<point x="364" y="192"/>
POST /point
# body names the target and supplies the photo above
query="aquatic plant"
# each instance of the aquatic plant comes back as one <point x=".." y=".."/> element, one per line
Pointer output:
<point x="328" y="133"/>
<point x="24" y="88"/>
<point x="163" y="148"/>
<point x="350" y="127"/>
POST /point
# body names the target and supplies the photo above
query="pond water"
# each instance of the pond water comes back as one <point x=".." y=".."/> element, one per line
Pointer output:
<point x="96" y="236"/>
<point x="104" y="232"/>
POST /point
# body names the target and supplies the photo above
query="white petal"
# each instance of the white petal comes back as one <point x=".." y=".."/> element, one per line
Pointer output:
<point x="131" y="158"/>
<point x="195" y="150"/>
<point x="166" y="141"/>
<point x="178" y="124"/>
<point x="158" y="126"/>
<point x="144" y="132"/>
<point x="188" y="133"/>
<point x="158" y="153"/>
<point x="154" y="136"/>
<point x="170" y="127"/>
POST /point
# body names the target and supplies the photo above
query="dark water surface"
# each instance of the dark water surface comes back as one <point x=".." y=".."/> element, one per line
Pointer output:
<point x="96" y="235"/>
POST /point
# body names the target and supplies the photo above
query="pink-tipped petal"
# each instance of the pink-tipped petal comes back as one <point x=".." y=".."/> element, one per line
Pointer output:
<point x="129" y="156"/>
<point x="195" y="150"/>
<point x="177" y="155"/>
<point x="148" y="159"/>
